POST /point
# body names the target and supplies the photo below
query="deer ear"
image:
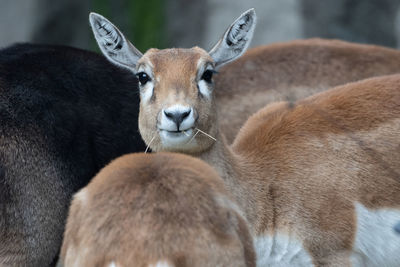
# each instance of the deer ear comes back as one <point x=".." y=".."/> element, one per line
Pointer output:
<point x="235" y="40"/>
<point x="113" y="43"/>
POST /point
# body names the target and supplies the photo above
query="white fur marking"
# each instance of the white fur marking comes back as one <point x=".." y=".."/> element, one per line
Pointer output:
<point x="180" y="140"/>
<point x="281" y="251"/>
<point x="146" y="91"/>
<point x="204" y="90"/>
<point x="161" y="264"/>
<point x="203" y="86"/>
<point x="112" y="264"/>
<point x="376" y="244"/>
<point x="82" y="196"/>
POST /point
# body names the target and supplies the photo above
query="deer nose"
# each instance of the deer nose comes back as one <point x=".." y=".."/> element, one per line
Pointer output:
<point x="177" y="116"/>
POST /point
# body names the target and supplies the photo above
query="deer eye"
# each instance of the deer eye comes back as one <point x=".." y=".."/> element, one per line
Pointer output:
<point x="143" y="78"/>
<point x="207" y="75"/>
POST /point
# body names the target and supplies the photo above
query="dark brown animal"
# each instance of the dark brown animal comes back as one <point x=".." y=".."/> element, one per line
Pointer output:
<point x="59" y="111"/>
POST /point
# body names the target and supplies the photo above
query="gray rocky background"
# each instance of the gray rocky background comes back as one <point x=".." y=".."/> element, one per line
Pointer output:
<point x="186" y="23"/>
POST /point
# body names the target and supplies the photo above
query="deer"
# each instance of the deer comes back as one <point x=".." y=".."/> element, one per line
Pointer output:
<point x="317" y="179"/>
<point x="153" y="210"/>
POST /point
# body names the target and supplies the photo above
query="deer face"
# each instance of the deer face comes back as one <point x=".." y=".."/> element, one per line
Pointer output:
<point x="176" y="99"/>
<point x="177" y="110"/>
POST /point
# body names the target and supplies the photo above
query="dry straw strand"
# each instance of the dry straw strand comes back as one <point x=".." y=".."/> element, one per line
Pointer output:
<point x="206" y="134"/>
<point x="147" y="148"/>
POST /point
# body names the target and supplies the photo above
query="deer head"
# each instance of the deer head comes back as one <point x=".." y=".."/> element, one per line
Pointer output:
<point x="176" y="85"/>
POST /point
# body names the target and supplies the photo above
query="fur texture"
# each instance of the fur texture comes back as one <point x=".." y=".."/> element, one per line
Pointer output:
<point x="60" y="109"/>
<point x="291" y="71"/>
<point x="291" y="163"/>
<point x="279" y="72"/>
<point x="163" y="209"/>
<point x="317" y="160"/>
<point x="302" y="168"/>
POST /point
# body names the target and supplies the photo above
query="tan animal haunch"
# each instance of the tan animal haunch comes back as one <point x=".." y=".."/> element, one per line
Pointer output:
<point x="318" y="180"/>
<point x="156" y="210"/>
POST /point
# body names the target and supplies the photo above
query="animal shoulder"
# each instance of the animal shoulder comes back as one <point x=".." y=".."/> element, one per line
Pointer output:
<point x="358" y="106"/>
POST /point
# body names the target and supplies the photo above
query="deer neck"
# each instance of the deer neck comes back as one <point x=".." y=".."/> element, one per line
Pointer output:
<point x="222" y="158"/>
<point x="248" y="188"/>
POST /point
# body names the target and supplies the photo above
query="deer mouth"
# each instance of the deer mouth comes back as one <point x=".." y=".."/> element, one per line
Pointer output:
<point x="176" y="138"/>
<point x="187" y="132"/>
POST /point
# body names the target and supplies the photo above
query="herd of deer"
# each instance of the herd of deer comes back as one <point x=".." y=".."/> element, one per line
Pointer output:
<point x="292" y="153"/>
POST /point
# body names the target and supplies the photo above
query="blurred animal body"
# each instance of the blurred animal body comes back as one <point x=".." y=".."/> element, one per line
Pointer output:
<point x="161" y="209"/>
<point x="59" y="111"/>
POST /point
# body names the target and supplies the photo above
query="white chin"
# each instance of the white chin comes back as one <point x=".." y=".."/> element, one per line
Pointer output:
<point x="177" y="140"/>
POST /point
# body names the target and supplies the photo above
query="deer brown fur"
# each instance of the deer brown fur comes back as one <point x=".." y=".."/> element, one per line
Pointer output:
<point x="301" y="168"/>
<point x="318" y="179"/>
<point x="167" y="208"/>
<point x="286" y="71"/>
<point x="291" y="71"/>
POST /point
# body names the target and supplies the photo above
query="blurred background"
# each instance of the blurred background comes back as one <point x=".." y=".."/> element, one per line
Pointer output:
<point x="185" y="23"/>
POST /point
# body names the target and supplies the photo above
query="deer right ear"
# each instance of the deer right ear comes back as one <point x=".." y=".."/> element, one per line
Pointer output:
<point x="235" y="40"/>
<point x="113" y="43"/>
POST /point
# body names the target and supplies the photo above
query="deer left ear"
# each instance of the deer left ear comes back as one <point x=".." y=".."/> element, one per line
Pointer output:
<point x="235" y="40"/>
<point x="113" y="43"/>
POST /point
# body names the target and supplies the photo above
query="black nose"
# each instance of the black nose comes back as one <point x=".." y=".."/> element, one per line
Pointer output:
<point x="177" y="116"/>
